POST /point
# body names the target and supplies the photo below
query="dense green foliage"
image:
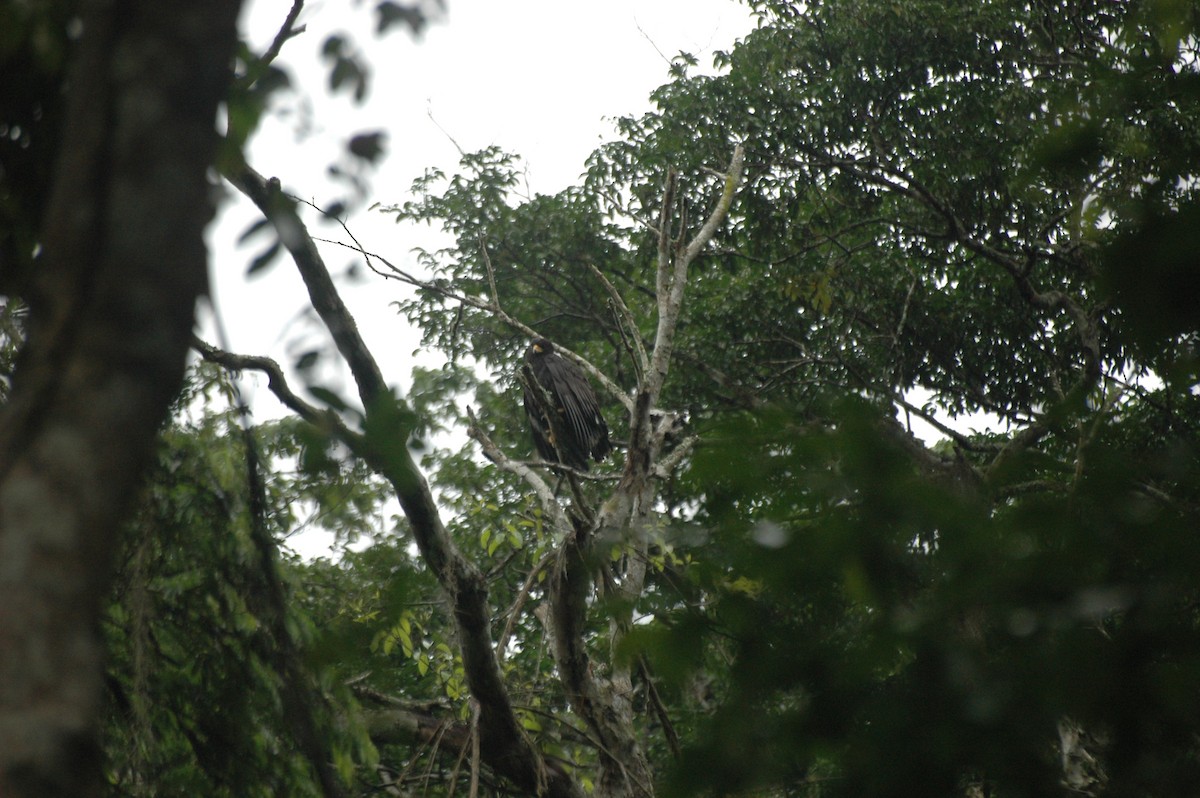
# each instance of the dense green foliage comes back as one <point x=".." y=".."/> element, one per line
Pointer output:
<point x="939" y="206"/>
<point x="976" y="220"/>
<point x="195" y="683"/>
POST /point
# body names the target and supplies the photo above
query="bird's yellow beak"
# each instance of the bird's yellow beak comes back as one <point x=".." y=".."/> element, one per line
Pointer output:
<point x="537" y="348"/>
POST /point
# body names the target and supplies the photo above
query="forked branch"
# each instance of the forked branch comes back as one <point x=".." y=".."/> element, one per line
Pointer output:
<point x="672" y="278"/>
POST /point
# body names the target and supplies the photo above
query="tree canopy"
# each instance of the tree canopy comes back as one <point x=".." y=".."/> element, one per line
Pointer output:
<point x="892" y="317"/>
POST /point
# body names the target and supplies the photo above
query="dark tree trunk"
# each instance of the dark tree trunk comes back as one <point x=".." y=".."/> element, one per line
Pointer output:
<point x="112" y="304"/>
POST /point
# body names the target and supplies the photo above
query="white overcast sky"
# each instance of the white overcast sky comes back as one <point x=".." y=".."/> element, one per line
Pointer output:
<point x="540" y="78"/>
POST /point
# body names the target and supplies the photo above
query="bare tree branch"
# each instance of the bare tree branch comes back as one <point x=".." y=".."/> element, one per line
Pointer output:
<point x="278" y="385"/>
<point x="545" y="496"/>
<point x="604" y="703"/>
<point x="395" y="272"/>
<point x="667" y="465"/>
<point x="321" y="290"/>
<point x="509" y="750"/>
<point x="288" y="30"/>
<point x="660" y="708"/>
<point x="519" y="602"/>
<point x="392" y="721"/>
<point x="662" y="283"/>
<point x="491" y="273"/>
<point x="675" y="278"/>
<point x="627" y="319"/>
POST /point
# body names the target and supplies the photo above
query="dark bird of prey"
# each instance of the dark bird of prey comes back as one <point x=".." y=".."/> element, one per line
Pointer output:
<point x="564" y="415"/>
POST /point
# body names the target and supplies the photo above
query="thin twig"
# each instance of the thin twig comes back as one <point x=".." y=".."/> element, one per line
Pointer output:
<point x="630" y="323"/>
<point x="287" y="31"/>
<point x="660" y="708"/>
<point x="519" y="602"/>
<point x="546" y="496"/>
<point x="395" y="272"/>
<point x="491" y="273"/>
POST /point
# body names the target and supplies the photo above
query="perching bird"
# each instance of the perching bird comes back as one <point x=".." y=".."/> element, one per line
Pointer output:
<point x="581" y="430"/>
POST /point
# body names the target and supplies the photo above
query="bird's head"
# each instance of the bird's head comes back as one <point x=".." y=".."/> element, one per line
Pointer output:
<point x="541" y="346"/>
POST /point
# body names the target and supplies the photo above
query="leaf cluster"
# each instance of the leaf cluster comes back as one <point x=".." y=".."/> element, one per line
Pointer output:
<point x="195" y="683"/>
<point x="948" y="210"/>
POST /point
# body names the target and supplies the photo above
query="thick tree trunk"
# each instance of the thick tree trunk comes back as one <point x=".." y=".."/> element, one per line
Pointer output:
<point x="111" y="314"/>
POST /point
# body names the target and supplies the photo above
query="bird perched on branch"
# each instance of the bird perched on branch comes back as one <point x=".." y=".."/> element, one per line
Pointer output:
<point x="563" y="413"/>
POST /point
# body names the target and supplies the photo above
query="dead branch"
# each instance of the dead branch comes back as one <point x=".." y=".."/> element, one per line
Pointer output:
<point x="627" y="319"/>
<point x="288" y="30"/>
<point x="491" y="451"/>
<point x="491" y="272"/>
<point x="672" y="279"/>
<point x="660" y="708"/>
<point x="326" y="300"/>
<point x="667" y="465"/>
<point x="662" y="283"/>
<point x="603" y="703"/>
